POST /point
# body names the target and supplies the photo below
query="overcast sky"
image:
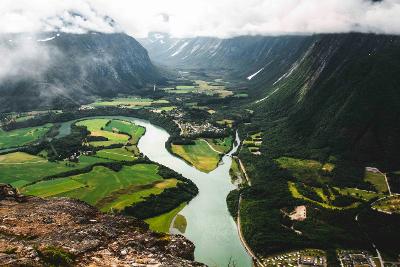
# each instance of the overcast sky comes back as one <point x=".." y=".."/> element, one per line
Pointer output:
<point x="187" y="18"/>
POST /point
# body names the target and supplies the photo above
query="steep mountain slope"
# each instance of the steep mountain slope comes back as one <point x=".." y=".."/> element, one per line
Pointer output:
<point x="57" y="68"/>
<point x="342" y="97"/>
<point x="240" y="56"/>
<point x="337" y="93"/>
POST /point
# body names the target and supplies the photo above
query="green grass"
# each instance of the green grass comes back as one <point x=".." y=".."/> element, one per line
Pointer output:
<point x="101" y="181"/>
<point x="105" y="188"/>
<point x="355" y="192"/>
<point x="378" y="180"/>
<point x="296" y="194"/>
<point x="200" y="155"/>
<point x="389" y="204"/>
<point x="303" y="169"/>
<point x="21" y="137"/>
<point x="163" y="222"/>
<point x="223" y="145"/>
<point x="184" y="87"/>
<point x="130" y="102"/>
<point x="118" y="154"/>
<point x="116" y="131"/>
<point x="134" y="194"/>
<point x="180" y="223"/>
<point x="52" y="187"/>
<point x="20" y="168"/>
<point x="135" y="131"/>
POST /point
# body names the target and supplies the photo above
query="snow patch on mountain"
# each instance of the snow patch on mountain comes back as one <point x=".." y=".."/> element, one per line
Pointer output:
<point x="255" y="74"/>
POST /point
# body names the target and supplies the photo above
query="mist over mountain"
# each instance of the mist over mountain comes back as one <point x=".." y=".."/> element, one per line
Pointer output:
<point x="49" y="69"/>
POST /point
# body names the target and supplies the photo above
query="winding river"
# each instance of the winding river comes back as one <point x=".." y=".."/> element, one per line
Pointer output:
<point x="209" y="224"/>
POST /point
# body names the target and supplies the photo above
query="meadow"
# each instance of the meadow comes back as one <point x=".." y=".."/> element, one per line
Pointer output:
<point x="104" y="188"/>
<point x="118" y="154"/>
<point x="223" y="145"/>
<point x="163" y="222"/>
<point x="116" y="131"/>
<point x="200" y="155"/>
<point x="389" y="204"/>
<point x="306" y="170"/>
<point x="20" y="168"/>
<point x="377" y="180"/>
<point x="201" y="87"/>
<point x="129" y="102"/>
<point x="21" y="137"/>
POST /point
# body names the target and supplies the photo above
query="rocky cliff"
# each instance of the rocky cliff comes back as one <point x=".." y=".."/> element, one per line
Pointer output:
<point x="66" y="232"/>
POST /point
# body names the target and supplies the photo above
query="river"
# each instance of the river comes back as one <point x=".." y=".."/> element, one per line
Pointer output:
<point x="209" y="224"/>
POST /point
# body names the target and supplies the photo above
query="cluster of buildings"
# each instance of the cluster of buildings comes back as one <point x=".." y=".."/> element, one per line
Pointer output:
<point x="296" y="259"/>
<point x="189" y="128"/>
<point x="352" y="259"/>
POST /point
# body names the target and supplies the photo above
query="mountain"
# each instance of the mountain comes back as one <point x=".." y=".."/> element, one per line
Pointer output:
<point x="53" y="69"/>
<point x="67" y="232"/>
<point x="240" y="56"/>
<point x="336" y="93"/>
<point x="341" y="98"/>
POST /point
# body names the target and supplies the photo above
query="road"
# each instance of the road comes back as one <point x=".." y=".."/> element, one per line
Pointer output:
<point x="219" y="152"/>
<point x="244" y="171"/>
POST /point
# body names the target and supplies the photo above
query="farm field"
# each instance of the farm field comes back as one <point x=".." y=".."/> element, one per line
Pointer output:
<point x="20" y="168"/>
<point x="223" y="145"/>
<point x="116" y="131"/>
<point x="378" y="180"/>
<point x="324" y="202"/>
<point x="363" y="194"/>
<point x="118" y="154"/>
<point x="163" y="222"/>
<point x="129" y="102"/>
<point x="201" y="87"/>
<point x="21" y="137"/>
<point x="135" y="193"/>
<point x="389" y="204"/>
<point x="200" y="155"/>
<point x="105" y="188"/>
<point x="306" y="170"/>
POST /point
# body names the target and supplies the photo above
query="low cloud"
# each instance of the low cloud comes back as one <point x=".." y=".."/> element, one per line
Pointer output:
<point x="22" y="58"/>
<point x="187" y="18"/>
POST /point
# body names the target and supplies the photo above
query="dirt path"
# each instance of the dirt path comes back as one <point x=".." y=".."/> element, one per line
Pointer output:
<point x="107" y="152"/>
<point x="219" y="152"/>
<point x="21" y="163"/>
<point x="244" y="171"/>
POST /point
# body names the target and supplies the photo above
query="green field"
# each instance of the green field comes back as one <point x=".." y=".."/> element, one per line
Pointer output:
<point x="163" y="222"/>
<point x="135" y="193"/>
<point x="105" y="188"/>
<point x="389" y="204"/>
<point x="130" y="102"/>
<point x="21" y="137"/>
<point x="378" y="180"/>
<point x="223" y="145"/>
<point x="116" y="131"/>
<point x="21" y="168"/>
<point x="201" y="87"/>
<point x="306" y="170"/>
<point x="118" y="154"/>
<point x="296" y="194"/>
<point x="200" y="155"/>
<point x="363" y="194"/>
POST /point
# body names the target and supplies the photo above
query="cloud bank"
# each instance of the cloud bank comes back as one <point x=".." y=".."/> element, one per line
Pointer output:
<point x="188" y="18"/>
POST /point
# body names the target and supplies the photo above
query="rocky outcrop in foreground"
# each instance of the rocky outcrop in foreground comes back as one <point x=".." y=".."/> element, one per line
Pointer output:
<point x="66" y="232"/>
